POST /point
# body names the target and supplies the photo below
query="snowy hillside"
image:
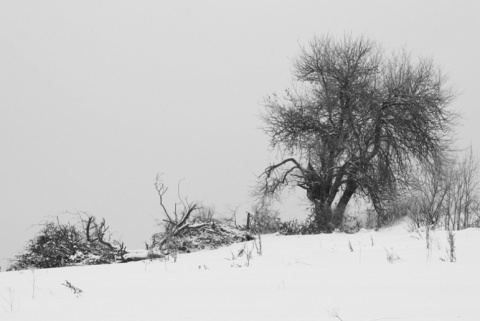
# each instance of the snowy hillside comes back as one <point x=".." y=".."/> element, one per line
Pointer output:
<point x="320" y="277"/>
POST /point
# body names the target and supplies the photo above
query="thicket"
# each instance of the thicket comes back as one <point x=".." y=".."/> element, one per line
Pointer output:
<point x="189" y="227"/>
<point x="65" y="244"/>
<point x="446" y="195"/>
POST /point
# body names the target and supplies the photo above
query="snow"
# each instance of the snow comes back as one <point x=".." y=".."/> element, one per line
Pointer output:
<point x="312" y="277"/>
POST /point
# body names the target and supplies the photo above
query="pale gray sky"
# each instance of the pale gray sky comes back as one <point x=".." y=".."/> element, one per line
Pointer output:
<point x="97" y="97"/>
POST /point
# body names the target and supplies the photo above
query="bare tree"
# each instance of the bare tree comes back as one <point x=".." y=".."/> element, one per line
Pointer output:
<point x="463" y="198"/>
<point x="446" y="194"/>
<point x="471" y="182"/>
<point x="430" y="188"/>
<point x="353" y="123"/>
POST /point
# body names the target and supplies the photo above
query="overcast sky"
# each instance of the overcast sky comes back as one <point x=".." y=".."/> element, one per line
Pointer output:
<point x="97" y="97"/>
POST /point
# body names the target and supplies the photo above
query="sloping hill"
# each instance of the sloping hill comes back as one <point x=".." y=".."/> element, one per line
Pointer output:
<point x="384" y="275"/>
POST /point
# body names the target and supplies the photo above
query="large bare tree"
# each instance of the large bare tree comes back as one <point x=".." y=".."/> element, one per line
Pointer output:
<point x="352" y="123"/>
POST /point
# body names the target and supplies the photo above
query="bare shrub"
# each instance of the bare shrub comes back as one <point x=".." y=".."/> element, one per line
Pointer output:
<point x="64" y="244"/>
<point x="295" y="227"/>
<point x="189" y="227"/>
<point x="245" y="252"/>
<point x="464" y="198"/>
<point x="265" y="220"/>
<point x="177" y="222"/>
<point x="447" y="194"/>
<point x="231" y="220"/>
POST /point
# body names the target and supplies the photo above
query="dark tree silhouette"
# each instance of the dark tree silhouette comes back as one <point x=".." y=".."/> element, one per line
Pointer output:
<point x="352" y="124"/>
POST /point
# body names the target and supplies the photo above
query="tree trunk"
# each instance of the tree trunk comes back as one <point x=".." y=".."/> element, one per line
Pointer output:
<point x="323" y="218"/>
<point x="350" y="189"/>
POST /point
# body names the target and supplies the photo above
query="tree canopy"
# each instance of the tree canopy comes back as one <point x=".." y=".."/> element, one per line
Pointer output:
<point x="353" y="122"/>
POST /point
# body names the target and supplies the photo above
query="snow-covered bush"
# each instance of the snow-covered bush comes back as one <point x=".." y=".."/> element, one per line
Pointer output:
<point x="294" y="227"/>
<point x="58" y="245"/>
<point x="265" y="220"/>
<point x="211" y="236"/>
<point x="189" y="227"/>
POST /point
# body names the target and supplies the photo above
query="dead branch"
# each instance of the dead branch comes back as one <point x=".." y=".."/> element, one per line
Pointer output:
<point x="161" y="190"/>
<point x="180" y="224"/>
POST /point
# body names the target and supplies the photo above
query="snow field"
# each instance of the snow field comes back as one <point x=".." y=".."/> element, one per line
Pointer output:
<point x="312" y="277"/>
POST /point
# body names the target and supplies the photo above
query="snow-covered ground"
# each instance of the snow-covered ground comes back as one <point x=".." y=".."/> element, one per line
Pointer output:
<point x="315" y="277"/>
